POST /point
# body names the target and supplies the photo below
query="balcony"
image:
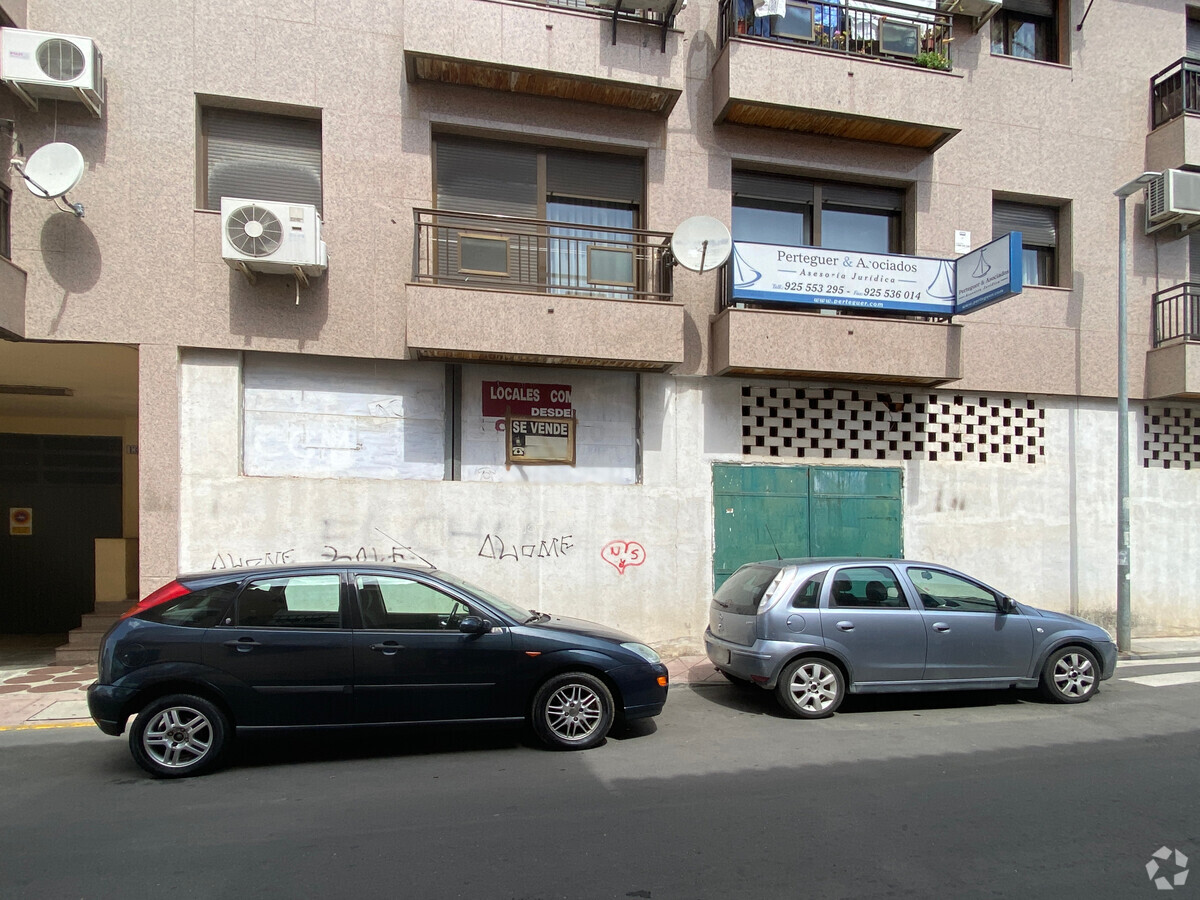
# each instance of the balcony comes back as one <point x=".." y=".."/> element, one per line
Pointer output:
<point x="12" y="300"/>
<point x="490" y="287"/>
<point x="1173" y="366"/>
<point x="1174" y="141"/>
<point x="789" y="344"/>
<point x="870" y="72"/>
<point x="571" y="50"/>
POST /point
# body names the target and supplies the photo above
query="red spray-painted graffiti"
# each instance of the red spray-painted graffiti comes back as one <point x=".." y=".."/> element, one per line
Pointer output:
<point x="620" y="554"/>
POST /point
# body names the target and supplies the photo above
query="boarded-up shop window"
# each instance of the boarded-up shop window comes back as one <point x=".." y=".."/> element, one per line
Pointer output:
<point x="343" y="418"/>
<point x="604" y="405"/>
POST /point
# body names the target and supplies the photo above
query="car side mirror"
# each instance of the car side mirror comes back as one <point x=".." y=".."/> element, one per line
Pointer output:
<point x="475" y="625"/>
<point x="1005" y="604"/>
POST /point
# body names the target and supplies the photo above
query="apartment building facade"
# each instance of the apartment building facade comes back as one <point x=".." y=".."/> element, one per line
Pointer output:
<point x="497" y="367"/>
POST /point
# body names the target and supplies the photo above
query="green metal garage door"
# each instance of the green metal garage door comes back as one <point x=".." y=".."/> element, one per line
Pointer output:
<point x="803" y="511"/>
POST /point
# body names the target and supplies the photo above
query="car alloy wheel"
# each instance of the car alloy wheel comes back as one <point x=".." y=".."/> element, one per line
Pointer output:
<point x="179" y="735"/>
<point x="810" y="688"/>
<point x="1071" y="675"/>
<point x="573" y="711"/>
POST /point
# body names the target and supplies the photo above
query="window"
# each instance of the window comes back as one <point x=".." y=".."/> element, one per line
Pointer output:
<point x="259" y="156"/>
<point x="5" y="222"/>
<point x="810" y="593"/>
<point x="300" y="601"/>
<point x="743" y="591"/>
<point x="592" y="199"/>
<point x="199" y="609"/>
<point x="777" y="209"/>
<point x="407" y="605"/>
<point x="1039" y="236"/>
<point x="1027" y="29"/>
<point x="941" y="590"/>
<point x="866" y="587"/>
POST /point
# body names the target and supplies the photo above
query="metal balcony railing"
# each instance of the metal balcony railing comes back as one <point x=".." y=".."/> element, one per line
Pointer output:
<point x="510" y="253"/>
<point x="1177" y="313"/>
<point x="1175" y="91"/>
<point x="899" y="32"/>
<point x="652" y="12"/>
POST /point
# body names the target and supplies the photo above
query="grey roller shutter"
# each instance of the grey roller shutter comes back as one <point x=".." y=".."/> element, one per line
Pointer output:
<point x="490" y="179"/>
<point x="1194" y="258"/>
<point x="764" y="186"/>
<point x="258" y="156"/>
<point x="1038" y="224"/>
<point x="1193" y="38"/>
<point x="866" y="196"/>
<point x="1043" y="8"/>
<point x="486" y="177"/>
<point x="594" y="176"/>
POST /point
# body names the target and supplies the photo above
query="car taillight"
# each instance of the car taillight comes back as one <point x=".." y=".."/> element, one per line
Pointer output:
<point x="162" y="595"/>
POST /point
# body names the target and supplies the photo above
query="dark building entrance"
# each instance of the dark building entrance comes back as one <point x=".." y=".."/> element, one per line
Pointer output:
<point x="72" y="486"/>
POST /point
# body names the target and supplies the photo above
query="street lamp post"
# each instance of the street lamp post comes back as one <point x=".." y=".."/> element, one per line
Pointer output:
<point x="1123" y="613"/>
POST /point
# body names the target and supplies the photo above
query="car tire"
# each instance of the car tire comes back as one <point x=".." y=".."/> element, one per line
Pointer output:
<point x="179" y="735"/>
<point x="1070" y="675"/>
<point x="572" y="711"/>
<point x="810" y="688"/>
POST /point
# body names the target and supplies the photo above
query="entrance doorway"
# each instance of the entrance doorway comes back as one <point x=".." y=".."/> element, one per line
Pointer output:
<point x="71" y="487"/>
<point x="760" y="512"/>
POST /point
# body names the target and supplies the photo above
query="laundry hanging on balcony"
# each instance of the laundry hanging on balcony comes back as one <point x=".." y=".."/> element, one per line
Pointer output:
<point x="770" y="8"/>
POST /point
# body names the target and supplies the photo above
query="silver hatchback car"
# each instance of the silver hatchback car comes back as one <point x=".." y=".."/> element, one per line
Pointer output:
<point x="814" y="629"/>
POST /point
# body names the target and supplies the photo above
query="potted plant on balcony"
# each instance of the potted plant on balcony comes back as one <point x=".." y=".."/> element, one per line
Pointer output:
<point x="931" y="59"/>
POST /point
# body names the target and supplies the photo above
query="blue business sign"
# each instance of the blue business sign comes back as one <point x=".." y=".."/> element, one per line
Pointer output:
<point x="989" y="274"/>
<point x="814" y="277"/>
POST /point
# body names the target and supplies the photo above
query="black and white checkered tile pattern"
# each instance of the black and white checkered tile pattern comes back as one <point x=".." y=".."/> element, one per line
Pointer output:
<point x="830" y="423"/>
<point x="1170" y="437"/>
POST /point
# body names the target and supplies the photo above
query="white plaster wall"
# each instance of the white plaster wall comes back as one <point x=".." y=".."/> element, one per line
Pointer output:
<point x="1044" y="533"/>
<point x="539" y="545"/>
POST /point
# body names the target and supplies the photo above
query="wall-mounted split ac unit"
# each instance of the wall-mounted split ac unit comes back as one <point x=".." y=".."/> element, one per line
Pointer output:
<point x="273" y="238"/>
<point x="1173" y="198"/>
<point x="41" y="65"/>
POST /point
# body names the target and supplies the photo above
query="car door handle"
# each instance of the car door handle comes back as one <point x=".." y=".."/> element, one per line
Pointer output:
<point x="845" y="626"/>
<point x="387" y="648"/>
<point x="243" y="645"/>
<point x="941" y="626"/>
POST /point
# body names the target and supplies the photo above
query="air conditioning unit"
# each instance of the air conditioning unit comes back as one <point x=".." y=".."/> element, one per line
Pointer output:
<point x="274" y="238"/>
<point x="40" y="65"/>
<point x="1173" y="198"/>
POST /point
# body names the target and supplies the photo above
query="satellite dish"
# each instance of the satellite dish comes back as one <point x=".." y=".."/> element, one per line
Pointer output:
<point x="701" y="243"/>
<point x="53" y="170"/>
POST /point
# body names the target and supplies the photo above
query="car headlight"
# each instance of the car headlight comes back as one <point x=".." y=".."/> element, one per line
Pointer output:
<point x="646" y="653"/>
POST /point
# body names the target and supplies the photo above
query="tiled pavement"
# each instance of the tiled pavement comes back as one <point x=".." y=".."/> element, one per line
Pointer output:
<point x="34" y="695"/>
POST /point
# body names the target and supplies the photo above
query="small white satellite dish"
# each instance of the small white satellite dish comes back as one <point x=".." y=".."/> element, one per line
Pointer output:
<point x="53" y="170"/>
<point x="701" y="243"/>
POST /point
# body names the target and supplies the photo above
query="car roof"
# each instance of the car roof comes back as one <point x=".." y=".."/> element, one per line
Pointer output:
<point x="240" y="572"/>
<point x="816" y="561"/>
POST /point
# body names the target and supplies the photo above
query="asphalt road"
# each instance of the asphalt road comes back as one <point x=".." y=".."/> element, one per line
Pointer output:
<point x="952" y="795"/>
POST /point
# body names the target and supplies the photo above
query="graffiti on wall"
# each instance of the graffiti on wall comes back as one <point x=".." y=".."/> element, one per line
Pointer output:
<point x="224" y="560"/>
<point x="620" y="554"/>
<point x="495" y="547"/>
<point x="388" y="551"/>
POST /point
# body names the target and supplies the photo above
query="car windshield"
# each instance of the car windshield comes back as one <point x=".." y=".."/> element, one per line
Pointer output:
<point x="509" y="609"/>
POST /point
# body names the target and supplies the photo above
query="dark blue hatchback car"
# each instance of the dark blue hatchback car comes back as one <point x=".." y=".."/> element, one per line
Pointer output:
<point x="345" y="644"/>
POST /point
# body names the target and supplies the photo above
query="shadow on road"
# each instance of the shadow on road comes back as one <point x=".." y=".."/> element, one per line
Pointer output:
<point x="756" y="701"/>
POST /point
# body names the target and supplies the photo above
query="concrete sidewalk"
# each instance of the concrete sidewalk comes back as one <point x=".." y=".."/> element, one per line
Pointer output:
<point x="48" y="696"/>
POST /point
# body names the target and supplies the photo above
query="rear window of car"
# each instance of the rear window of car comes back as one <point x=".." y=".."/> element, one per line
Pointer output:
<point x="741" y="594"/>
<point x="199" y="609"/>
